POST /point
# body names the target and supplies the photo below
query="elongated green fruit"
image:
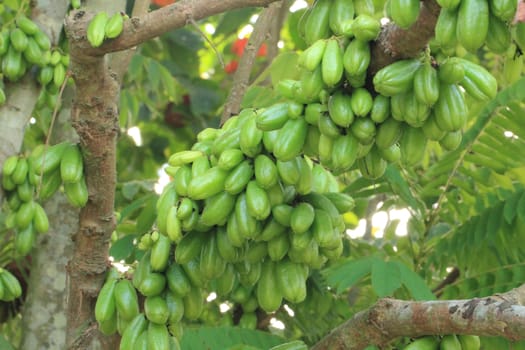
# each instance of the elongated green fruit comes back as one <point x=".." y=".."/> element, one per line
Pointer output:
<point x="96" y="30"/>
<point x="71" y="164"/>
<point x="134" y="329"/>
<point x="312" y="56"/>
<point x="184" y="157"/>
<point x="473" y="23"/>
<point x="105" y="306"/>
<point x="332" y="64"/>
<point x="126" y="300"/>
<point x="114" y="26"/>
<point x="77" y="193"/>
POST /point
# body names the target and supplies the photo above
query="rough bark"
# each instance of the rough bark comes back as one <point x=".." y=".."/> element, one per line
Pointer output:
<point x="95" y="118"/>
<point x="497" y="315"/>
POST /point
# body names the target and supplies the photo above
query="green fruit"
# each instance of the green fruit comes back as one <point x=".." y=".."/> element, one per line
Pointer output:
<point x="278" y="247"/>
<point x="344" y="152"/>
<point x="105" y="306"/>
<point x="380" y="109"/>
<point x="247" y="224"/>
<point x="173" y="225"/>
<point x="426" y="84"/>
<point x="311" y="57"/>
<point x="178" y="282"/>
<point x="445" y="30"/>
<point x="77" y="193"/>
<point x="332" y="63"/>
<point x="450" y="342"/>
<point x="184" y="157"/>
<point x="126" y="300"/>
<point x="415" y="111"/>
<point x="271" y="230"/>
<point x="135" y="328"/>
<point x="469" y="342"/>
<point x="451" y="71"/>
<point x="451" y="140"/>
<point x="268" y="293"/>
<point x="365" y="27"/>
<point x="341" y="17"/>
<point x="26" y="25"/>
<point x="152" y="284"/>
<point x="18" y="39"/>
<point x="323" y="230"/>
<point x="364" y="130"/>
<point x="425" y="343"/>
<point x="340" y="109"/>
<point x="257" y="201"/>
<point x="432" y="130"/>
<point x="361" y="102"/>
<point x="450" y="110"/>
<point x="498" y="37"/>
<point x="505" y="10"/>
<point x="114" y="26"/>
<point x="142" y="270"/>
<point x="288" y="171"/>
<point x="478" y="82"/>
<point x="59" y="75"/>
<point x="291" y="139"/>
<point x="273" y="117"/>
<point x="71" y="164"/>
<point x="291" y="281"/>
<point x="311" y="84"/>
<point x="12" y="288"/>
<point x="472" y="24"/>
<point x="156" y="309"/>
<point x="20" y="173"/>
<point x="266" y="173"/>
<point x="13" y="66"/>
<point x="175" y="306"/>
<point x="182" y="180"/>
<point x="33" y="53"/>
<point x="356" y="58"/>
<point x="193" y="304"/>
<point x="372" y="165"/>
<point x="25" y="214"/>
<point x="189" y="247"/>
<point x="212" y="265"/>
<point x="160" y="253"/>
<point x="217" y="209"/>
<point x="158" y="337"/>
<point x="49" y="159"/>
<point x="208" y="184"/>
<point x="317" y="22"/>
<point x="40" y="220"/>
<point x="250" y="138"/>
<point x="226" y="249"/>
<point x="388" y="133"/>
<point x="239" y="177"/>
<point x="396" y="78"/>
<point x="302" y="217"/>
<point x="404" y="12"/>
<point x="413" y="145"/>
<point x="96" y="30"/>
<point x="448" y="4"/>
<point x="24" y="240"/>
<point x="200" y="166"/>
<point x="342" y="201"/>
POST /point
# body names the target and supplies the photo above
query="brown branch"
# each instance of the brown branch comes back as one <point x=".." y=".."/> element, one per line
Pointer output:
<point x="242" y="75"/>
<point x="497" y="315"/>
<point x="395" y="43"/>
<point x="449" y="279"/>
<point x="275" y="32"/>
<point x="140" y="29"/>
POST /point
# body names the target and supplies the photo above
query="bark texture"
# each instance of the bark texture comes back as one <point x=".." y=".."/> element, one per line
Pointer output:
<point x="497" y="315"/>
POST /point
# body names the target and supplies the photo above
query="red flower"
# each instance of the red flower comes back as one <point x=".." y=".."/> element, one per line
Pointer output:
<point x="239" y="45"/>
<point x="231" y="67"/>
<point x="163" y="2"/>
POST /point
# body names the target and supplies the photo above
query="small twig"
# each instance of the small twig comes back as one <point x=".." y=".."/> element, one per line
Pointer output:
<point x="275" y="31"/>
<point x="242" y="75"/>
<point x="451" y="278"/>
<point x="208" y="40"/>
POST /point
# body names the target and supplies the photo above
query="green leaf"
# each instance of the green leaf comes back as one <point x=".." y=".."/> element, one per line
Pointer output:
<point x="139" y="202"/>
<point x="386" y="278"/>
<point x="122" y="248"/>
<point x="345" y="274"/>
<point x="130" y="189"/>
<point x="414" y="283"/>
<point x="521" y="207"/>
<point x="284" y="66"/>
<point x="220" y="338"/>
<point x="258" y="97"/>
<point x="400" y="187"/>
<point x="4" y="344"/>
<point x="147" y="216"/>
<point x="232" y="20"/>
<point x="206" y="97"/>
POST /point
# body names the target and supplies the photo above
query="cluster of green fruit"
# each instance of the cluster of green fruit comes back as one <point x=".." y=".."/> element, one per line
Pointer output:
<point x="415" y="100"/>
<point x="10" y="288"/>
<point x="23" y="45"/>
<point x="28" y="180"/>
<point x="103" y="27"/>
<point x="472" y="23"/>
<point x="447" y="342"/>
<point x="117" y="310"/>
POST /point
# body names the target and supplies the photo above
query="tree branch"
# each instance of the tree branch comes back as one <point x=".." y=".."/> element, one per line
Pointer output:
<point x="497" y="315"/>
<point x="395" y="43"/>
<point x="140" y="29"/>
<point x="242" y="75"/>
